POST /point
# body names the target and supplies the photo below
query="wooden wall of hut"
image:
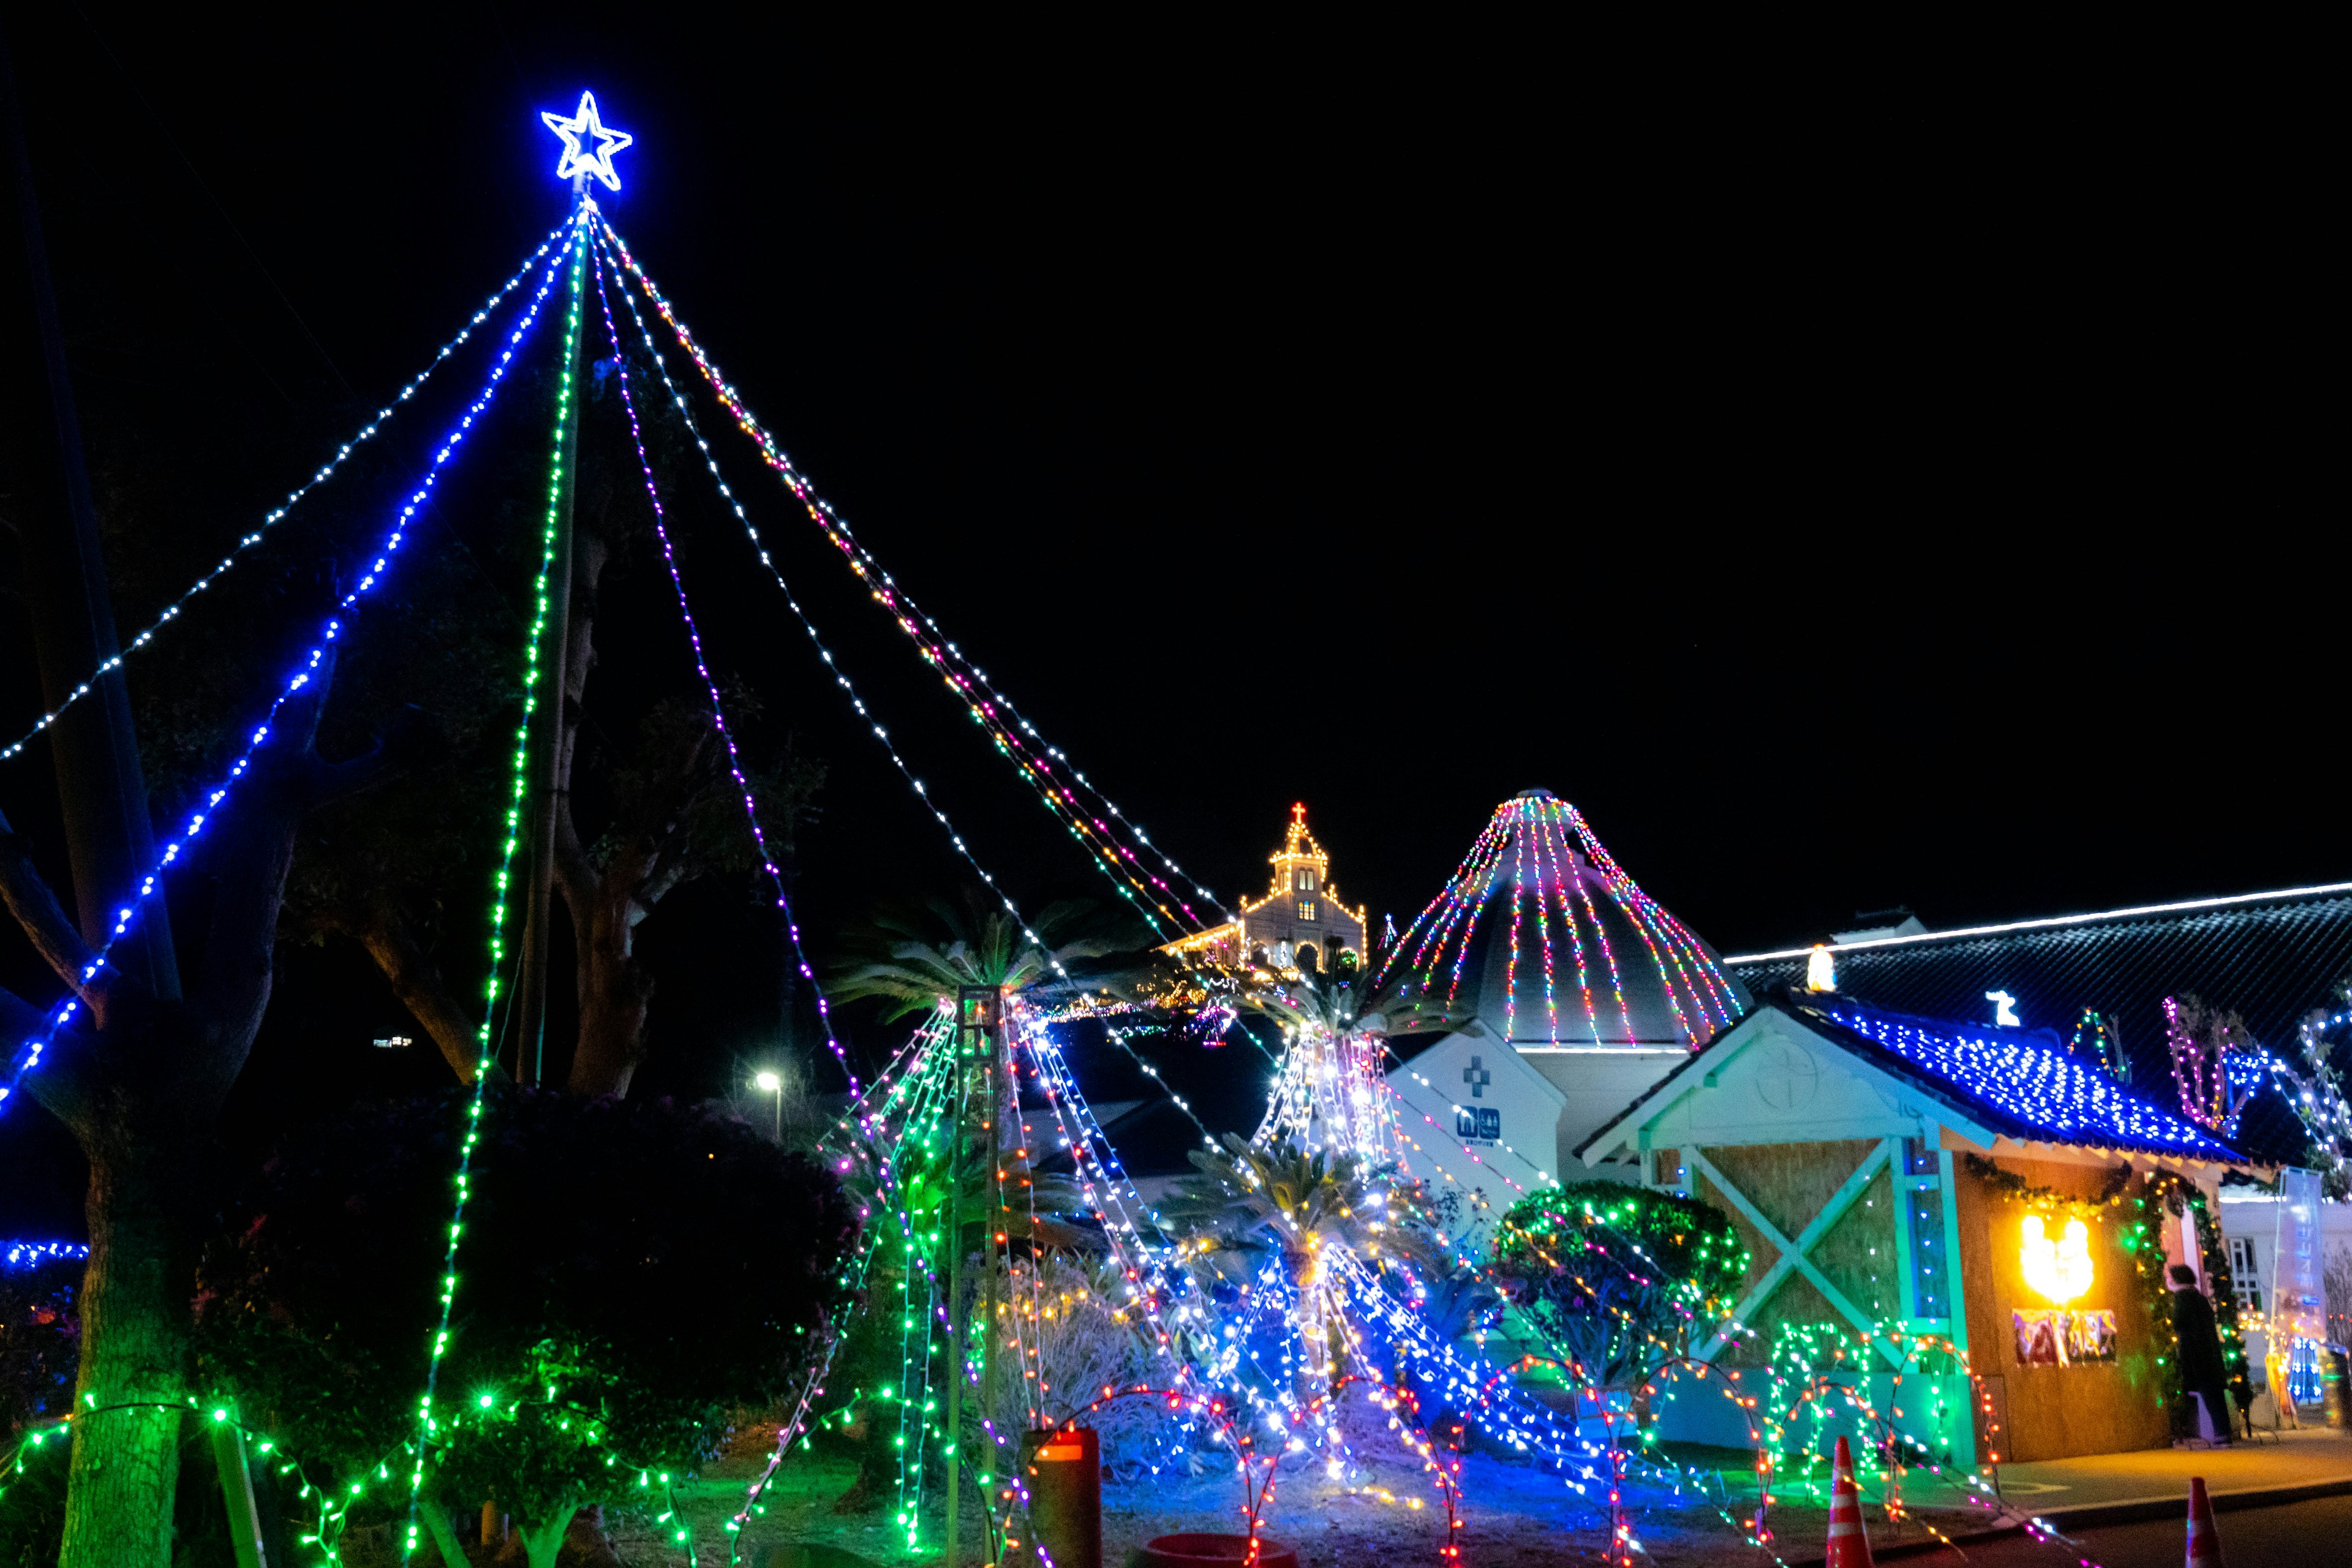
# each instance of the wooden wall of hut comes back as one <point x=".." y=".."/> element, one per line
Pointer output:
<point x="2056" y="1412"/>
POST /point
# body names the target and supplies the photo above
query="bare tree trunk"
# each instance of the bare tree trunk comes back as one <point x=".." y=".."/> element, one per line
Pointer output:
<point x="615" y="991"/>
<point x="416" y="980"/>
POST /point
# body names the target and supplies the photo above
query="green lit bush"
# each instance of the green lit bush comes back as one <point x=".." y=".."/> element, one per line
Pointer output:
<point x="630" y="1270"/>
<point x="1620" y="1279"/>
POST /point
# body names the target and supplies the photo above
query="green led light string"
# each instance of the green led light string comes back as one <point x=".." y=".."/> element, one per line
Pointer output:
<point x="576" y="256"/>
<point x="905" y="1078"/>
<point x="333" y="1502"/>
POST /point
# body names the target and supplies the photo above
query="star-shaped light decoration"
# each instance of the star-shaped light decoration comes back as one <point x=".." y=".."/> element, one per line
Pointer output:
<point x="583" y="125"/>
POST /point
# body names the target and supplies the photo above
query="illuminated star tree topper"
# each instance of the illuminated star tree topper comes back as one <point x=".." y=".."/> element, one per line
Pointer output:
<point x="588" y="144"/>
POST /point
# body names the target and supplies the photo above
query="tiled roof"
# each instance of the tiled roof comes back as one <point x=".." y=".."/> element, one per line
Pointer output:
<point x="2270" y="959"/>
<point x="2020" y="1082"/>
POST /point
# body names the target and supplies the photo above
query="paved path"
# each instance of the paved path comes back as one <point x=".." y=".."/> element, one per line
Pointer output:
<point x="2309" y="1534"/>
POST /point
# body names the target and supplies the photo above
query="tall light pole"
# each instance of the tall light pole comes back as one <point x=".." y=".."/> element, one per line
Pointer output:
<point x="774" y="1084"/>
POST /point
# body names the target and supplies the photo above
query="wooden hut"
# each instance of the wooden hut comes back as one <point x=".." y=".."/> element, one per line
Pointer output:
<point x="1966" y="1225"/>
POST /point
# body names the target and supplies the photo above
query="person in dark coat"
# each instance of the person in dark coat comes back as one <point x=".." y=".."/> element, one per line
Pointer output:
<point x="2201" y="1371"/>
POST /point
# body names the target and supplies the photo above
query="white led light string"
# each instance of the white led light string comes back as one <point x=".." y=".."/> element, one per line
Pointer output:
<point x="327" y="472"/>
<point x="29" y="1054"/>
<point x="694" y="432"/>
<point x="710" y="686"/>
<point x="1117" y="861"/>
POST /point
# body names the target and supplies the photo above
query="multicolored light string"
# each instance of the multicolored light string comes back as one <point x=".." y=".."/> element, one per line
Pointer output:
<point x="621" y="259"/>
<point x="1539" y="852"/>
<point x="710" y="686"/>
<point x="29" y="1054"/>
<point x="985" y="704"/>
<point x="293" y="498"/>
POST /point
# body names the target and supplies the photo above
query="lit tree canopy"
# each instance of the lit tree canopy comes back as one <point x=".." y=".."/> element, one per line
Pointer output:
<point x="1619" y="1279"/>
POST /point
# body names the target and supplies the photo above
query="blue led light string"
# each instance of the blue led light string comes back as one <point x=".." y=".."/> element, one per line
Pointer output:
<point x="171" y="611"/>
<point x="28" y="1055"/>
<point x="21" y="1254"/>
<point x="573" y="259"/>
<point x="710" y="686"/>
<point x="2042" y="1087"/>
<point x="1116" y="862"/>
<point x="856" y="704"/>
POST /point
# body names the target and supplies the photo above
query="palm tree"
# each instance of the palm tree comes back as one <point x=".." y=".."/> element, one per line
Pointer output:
<point x="914" y="959"/>
<point x="1281" y="1197"/>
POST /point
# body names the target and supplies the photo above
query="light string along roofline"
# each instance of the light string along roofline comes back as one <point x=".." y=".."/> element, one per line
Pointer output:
<point x="710" y="686"/>
<point x="29" y="1056"/>
<point x="1116" y="862"/>
<point x="326" y="471"/>
<point x="841" y="678"/>
<point x="573" y="257"/>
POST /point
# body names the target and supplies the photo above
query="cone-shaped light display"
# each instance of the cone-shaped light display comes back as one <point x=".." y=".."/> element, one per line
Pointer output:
<point x="1560" y="948"/>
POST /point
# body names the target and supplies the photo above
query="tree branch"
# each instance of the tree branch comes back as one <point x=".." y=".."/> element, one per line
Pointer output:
<point x="416" y="980"/>
<point x="413" y="743"/>
<point x="251" y="856"/>
<point x="35" y="907"/>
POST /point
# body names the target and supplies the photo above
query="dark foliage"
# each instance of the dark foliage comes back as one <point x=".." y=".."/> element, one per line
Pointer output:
<point x="40" y="1342"/>
<point x="629" y="1271"/>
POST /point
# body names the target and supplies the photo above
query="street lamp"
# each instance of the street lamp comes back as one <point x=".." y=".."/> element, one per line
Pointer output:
<point x="774" y="1084"/>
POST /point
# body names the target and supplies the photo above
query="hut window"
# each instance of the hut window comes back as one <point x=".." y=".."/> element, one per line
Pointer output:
<point x="1918" y="1157"/>
<point x="1667" y="1167"/>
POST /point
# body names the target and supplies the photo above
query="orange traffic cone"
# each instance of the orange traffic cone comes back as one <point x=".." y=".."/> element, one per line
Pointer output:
<point x="1848" y="1546"/>
<point x="2204" y="1541"/>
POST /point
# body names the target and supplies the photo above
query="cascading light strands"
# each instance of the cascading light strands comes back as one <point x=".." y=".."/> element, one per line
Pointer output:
<point x="28" y="1055"/>
<point x="1564" y="949"/>
<point x="326" y="471"/>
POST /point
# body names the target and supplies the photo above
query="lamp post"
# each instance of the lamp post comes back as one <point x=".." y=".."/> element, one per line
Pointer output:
<point x="774" y="1084"/>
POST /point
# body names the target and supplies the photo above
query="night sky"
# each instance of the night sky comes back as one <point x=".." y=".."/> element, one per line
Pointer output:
<point x="1847" y="497"/>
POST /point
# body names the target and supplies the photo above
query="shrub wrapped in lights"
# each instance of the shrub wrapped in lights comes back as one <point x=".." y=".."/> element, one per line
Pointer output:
<point x="1619" y="1280"/>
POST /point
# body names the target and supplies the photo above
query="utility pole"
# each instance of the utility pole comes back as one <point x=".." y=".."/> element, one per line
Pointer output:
<point x="979" y="1020"/>
<point x="547" y="738"/>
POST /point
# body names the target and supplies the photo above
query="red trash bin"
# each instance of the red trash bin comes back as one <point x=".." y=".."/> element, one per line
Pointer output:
<point x="1063" y="1471"/>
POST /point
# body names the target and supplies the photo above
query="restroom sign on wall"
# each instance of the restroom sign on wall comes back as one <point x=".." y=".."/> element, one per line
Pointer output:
<point x="1477" y="1124"/>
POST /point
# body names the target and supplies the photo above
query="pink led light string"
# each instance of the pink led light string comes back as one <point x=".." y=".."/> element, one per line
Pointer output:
<point x="1607" y="953"/>
<point x="1717" y="996"/>
<point x="986" y="706"/>
<point x="1559" y="862"/>
<point x="702" y="668"/>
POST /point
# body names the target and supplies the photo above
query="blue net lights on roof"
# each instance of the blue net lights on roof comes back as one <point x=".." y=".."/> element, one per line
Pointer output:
<point x="2071" y="1101"/>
